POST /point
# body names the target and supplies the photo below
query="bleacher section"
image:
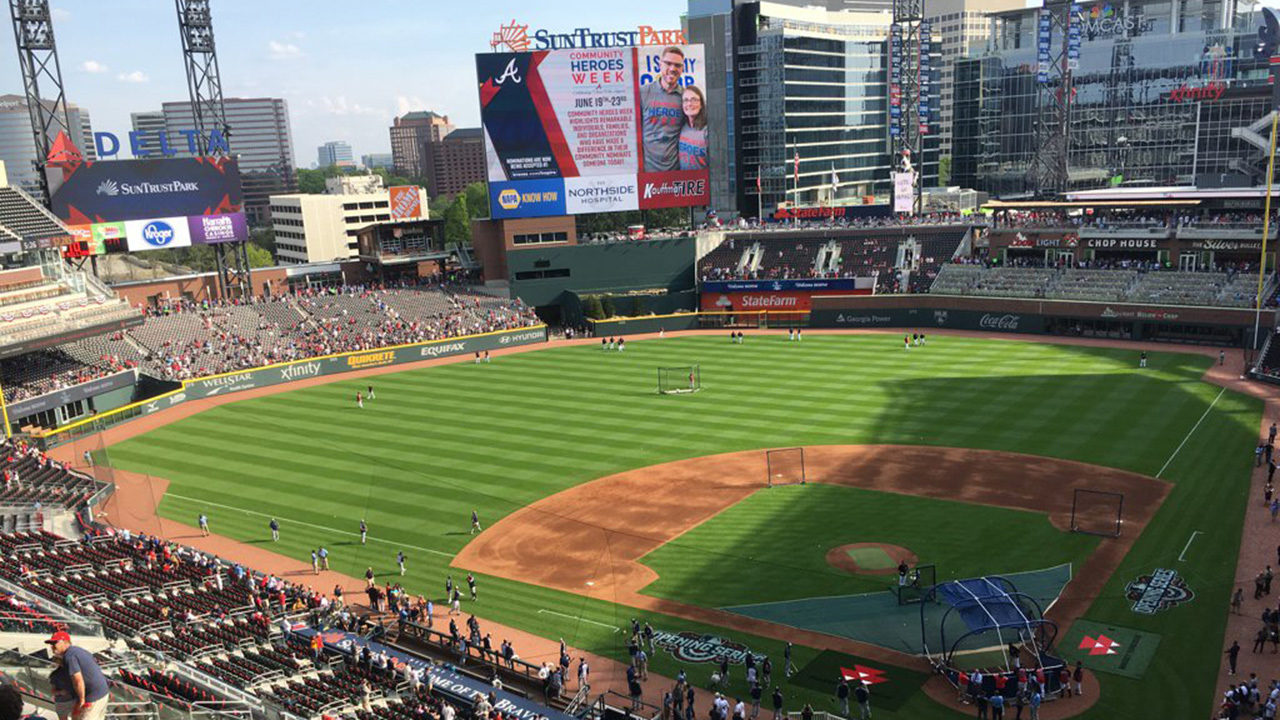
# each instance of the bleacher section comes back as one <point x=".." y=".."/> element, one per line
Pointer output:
<point x="28" y="476"/>
<point x="205" y="636"/>
<point x="185" y="340"/>
<point x="1159" y="287"/>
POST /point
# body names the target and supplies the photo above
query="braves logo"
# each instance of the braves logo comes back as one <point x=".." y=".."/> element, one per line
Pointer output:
<point x="511" y="73"/>
<point x="692" y="647"/>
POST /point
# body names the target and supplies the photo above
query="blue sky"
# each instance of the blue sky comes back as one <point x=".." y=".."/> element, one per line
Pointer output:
<point x="346" y="67"/>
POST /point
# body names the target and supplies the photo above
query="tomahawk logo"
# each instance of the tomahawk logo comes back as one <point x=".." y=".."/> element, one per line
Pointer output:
<point x="509" y="74"/>
<point x="940" y="317"/>
<point x="1101" y="645"/>
<point x="1160" y="590"/>
<point x="692" y="647"/>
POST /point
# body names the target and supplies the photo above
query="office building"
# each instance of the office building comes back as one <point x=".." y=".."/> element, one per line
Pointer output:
<point x="334" y="153"/>
<point x="959" y="28"/>
<point x="798" y="78"/>
<point x="259" y="134"/>
<point x="455" y="161"/>
<point x="375" y="161"/>
<point x="323" y="228"/>
<point x="18" y="145"/>
<point x="408" y="135"/>
<point x="149" y="125"/>
<point x="1162" y="95"/>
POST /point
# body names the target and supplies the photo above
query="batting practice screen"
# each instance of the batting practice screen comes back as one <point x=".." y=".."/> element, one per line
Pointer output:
<point x="594" y="130"/>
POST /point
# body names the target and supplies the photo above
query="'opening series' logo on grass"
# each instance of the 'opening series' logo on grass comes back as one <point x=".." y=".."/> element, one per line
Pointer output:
<point x="1160" y="590"/>
<point x="692" y="647"/>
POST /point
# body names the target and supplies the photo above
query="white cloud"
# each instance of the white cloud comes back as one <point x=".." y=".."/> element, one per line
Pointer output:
<point x="406" y="104"/>
<point x="60" y="14"/>
<point x="93" y="66"/>
<point x="283" y="51"/>
<point x="137" y="76"/>
<point x="339" y="106"/>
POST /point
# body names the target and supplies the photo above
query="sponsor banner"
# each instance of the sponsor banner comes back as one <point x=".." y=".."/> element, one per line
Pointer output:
<point x="83" y="391"/>
<point x="406" y="202"/>
<point x="1123" y="243"/>
<point x="526" y="198"/>
<point x="1110" y="648"/>
<point x="109" y="191"/>
<point x="925" y="318"/>
<point x="158" y="234"/>
<point x="605" y="193"/>
<point x="109" y="236"/>
<point x="1109" y="313"/>
<point x="1227" y="245"/>
<point x="680" y="188"/>
<point x="831" y="211"/>
<point x="214" y="229"/>
<point x="315" y="367"/>
<point x="784" y="301"/>
<point x="440" y="678"/>
<point x="781" y="285"/>
<point x="636" y="116"/>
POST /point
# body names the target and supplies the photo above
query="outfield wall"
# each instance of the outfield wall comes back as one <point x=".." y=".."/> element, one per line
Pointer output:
<point x="281" y="373"/>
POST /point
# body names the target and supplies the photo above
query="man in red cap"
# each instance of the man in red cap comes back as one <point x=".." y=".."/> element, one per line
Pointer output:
<point x="88" y="684"/>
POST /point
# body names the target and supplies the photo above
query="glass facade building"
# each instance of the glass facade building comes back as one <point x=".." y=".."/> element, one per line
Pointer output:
<point x="801" y="80"/>
<point x="1165" y="93"/>
<point x="18" y="145"/>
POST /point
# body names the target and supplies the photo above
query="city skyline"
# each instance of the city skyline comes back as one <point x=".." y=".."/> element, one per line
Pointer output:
<point x="334" y="85"/>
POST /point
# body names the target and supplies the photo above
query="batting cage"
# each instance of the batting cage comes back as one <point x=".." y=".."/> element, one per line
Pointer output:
<point x="917" y="583"/>
<point x="680" y="379"/>
<point x="1097" y="512"/>
<point x="784" y="466"/>
<point x="983" y="622"/>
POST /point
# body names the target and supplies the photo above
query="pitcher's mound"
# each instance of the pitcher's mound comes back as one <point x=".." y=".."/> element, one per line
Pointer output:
<point x="870" y="558"/>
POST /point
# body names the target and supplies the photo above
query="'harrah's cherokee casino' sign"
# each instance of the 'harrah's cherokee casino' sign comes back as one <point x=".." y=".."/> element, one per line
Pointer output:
<point x="515" y="37"/>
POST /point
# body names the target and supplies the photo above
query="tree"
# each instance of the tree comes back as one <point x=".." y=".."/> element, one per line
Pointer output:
<point x="944" y="171"/>
<point x="457" y="222"/>
<point x="477" y="196"/>
<point x="608" y="306"/>
<point x="259" y="256"/>
<point x="592" y="308"/>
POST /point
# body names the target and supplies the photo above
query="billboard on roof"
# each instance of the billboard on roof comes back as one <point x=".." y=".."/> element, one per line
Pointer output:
<point x="594" y="129"/>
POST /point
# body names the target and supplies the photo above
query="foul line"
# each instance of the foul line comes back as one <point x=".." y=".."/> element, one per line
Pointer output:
<point x="1189" y="433"/>
<point x="1188" y="545"/>
<point x="307" y="524"/>
<point x="614" y="628"/>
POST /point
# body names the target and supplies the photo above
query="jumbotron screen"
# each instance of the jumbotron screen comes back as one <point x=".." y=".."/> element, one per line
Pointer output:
<point x="133" y="205"/>
<point x="594" y="130"/>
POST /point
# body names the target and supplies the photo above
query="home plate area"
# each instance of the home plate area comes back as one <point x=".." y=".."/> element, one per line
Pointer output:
<point x="1110" y="648"/>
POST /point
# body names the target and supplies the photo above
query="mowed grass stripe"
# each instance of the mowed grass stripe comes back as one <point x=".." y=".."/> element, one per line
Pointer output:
<point x="435" y="443"/>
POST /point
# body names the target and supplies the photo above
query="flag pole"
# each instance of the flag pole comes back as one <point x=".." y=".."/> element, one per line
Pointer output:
<point x="1266" y="229"/>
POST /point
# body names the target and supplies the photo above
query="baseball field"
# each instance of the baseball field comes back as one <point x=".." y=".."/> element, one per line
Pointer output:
<point x="603" y="500"/>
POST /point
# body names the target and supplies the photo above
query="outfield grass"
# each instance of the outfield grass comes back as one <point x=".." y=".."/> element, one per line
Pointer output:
<point x="771" y="536"/>
<point x="439" y="442"/>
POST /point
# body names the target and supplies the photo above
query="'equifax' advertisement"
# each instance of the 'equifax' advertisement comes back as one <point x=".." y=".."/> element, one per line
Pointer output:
<point x="594" y="130"/>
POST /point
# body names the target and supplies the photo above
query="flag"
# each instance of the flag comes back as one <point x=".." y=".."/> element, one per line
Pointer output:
<point x="835" y="179"/>
<point x="758" y="173"/>
<point x="797" y="170"/>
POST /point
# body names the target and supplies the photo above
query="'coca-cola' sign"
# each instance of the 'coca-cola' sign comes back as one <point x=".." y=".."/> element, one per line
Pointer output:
<point x="1000" y="322"/>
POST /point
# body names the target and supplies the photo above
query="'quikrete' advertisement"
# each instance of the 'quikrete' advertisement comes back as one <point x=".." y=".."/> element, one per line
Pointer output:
<point x="594" y="129"/>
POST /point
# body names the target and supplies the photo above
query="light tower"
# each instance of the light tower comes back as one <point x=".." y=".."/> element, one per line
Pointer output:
<point x="1057" y="56"/>
<point x="910" y="45"/>
<point x="38" y="58"/>
<point x="204" y="85"/>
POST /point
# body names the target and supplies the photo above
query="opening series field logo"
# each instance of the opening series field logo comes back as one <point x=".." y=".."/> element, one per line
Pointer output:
<point x="694" y="648"/>
<point x="1160" y="590"/>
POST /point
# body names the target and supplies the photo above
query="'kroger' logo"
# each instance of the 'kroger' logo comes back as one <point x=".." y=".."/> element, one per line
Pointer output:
<point x="158" y="233"/>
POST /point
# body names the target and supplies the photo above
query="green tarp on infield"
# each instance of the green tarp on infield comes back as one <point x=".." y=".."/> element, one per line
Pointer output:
<point x="890" y="686"/>
<point x="1109" y="648"/>
<point x="877" y="618"/>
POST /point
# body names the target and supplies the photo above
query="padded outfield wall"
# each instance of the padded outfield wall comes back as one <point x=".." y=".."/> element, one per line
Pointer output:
<point x="281" y="373"/>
